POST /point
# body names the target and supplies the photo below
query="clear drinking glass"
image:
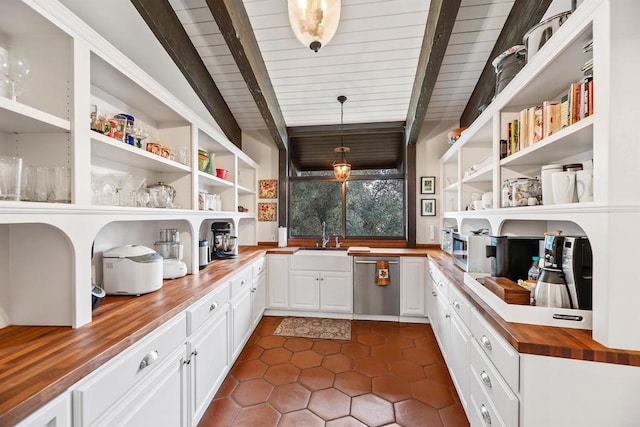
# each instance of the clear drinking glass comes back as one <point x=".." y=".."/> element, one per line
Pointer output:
<point x="10" y="177"/>
<point x="61" y="185"/>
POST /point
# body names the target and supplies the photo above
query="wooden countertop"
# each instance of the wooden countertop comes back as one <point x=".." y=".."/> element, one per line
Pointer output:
<point x="420" y="252"/>
<point x="38" y="363"/>
<point x="537" y="339"/>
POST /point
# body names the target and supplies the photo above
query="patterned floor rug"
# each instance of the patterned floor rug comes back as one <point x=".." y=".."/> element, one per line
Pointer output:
<point x="309" y="327"/>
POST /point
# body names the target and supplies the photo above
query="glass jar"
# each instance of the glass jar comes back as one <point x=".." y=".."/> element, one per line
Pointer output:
<point x="524" y="189"/>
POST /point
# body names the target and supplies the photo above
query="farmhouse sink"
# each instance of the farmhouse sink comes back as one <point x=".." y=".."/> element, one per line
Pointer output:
<point x="323" y="259"/>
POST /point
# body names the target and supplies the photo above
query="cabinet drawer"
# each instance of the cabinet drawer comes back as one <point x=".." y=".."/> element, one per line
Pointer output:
<point x="481" y="412"/>
<point x="258" y="267"/>
<point x="493" y="385"/>
<point x="207" y="307"/>
<point x="96" y="394"/>
<point x="241" y="282"/>
<point x="460" y="304"/>
<point x="502" y="355"/>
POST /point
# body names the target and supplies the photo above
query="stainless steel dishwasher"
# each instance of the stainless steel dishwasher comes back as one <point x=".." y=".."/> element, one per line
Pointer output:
<point x="368" y="297"/>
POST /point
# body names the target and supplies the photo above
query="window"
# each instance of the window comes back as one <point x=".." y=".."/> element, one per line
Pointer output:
<point x="369" y="205"/>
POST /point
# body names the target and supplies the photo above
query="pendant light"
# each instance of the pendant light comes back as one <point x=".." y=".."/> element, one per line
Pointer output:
<point x="314" y="22"/>
<point x="341" y="169"/>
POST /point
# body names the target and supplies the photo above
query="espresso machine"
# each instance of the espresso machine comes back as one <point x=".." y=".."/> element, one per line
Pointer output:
<point x="566" y="273"/>
<point x="224" y="244"/>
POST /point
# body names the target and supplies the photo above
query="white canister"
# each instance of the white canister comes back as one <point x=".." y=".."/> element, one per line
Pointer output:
<point x="564" y="187"/>
<point x="584" y="185"/>
<point x="545" y="178"/>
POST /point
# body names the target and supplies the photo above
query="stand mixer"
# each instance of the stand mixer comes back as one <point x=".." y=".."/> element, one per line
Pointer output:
<point x="172" y="250"/>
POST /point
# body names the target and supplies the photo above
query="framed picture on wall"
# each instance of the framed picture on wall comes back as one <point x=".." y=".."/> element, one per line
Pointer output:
<point x="428" y="185"/>
<point x="428" y="207"/>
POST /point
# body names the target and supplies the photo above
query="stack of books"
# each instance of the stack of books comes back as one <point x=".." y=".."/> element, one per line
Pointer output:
<point x="540" y="121"/>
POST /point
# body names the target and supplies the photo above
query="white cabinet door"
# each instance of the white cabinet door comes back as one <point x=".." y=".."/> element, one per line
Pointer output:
<point x="161" y="400"/>
<point x="241" y="326"/>
<point x="441" y="330"/>
<point x="458" y="356"/>
<point x="304" y="290"/>
<point x="209" y="361"/>
<point x="56" y="413"/>
<point x="258" y="295"/>
<point x="277" y="281"/>
<point x="412" y="286"/>
<point x="336" y="292"/>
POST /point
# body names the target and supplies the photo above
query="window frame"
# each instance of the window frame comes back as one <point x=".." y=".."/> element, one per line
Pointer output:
<point x="343" y="198"/>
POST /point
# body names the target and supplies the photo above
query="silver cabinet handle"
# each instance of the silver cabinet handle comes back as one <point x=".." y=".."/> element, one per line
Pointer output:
<point x="434" y="293"/>
<point x="253" y="290"/>
<point x="448" y="316"/>
<point x="243" y="282"/>
<point x="456" y="304"/>
<point x="486" y="343"/>
<point x="484" y="377"/>
<point x="149" y="359"/>
<point x="213" y="306"/>
<point x="485" y="414"/>
<point x="375" y="262"/>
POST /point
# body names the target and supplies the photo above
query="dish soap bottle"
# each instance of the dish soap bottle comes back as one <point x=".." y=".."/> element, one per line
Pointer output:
<point x="534" y="271"/>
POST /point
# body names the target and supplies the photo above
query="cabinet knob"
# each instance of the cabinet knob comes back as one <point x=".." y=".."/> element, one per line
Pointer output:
<point x="243" y="282"/>
<point x="486" y="343"/>
<point x="484" y="377"/>
<point x="253" y="290"/>
<point x="149" y="359"/>
<point x="456" y="304"/>
<point x="434" y="293"/>
<point x="448" y="316"/>
<point x="485" y="414"/>
<point x="213" y="306"/>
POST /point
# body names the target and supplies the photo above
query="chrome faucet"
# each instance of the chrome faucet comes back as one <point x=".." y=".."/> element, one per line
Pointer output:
<point x="325" y="236"/>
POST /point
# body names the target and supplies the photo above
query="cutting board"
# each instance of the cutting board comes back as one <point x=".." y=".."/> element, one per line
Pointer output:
<point x="508" y="290"/>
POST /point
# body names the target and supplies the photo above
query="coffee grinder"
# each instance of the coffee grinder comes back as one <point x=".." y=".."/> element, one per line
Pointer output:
<point x="224" y="244"/>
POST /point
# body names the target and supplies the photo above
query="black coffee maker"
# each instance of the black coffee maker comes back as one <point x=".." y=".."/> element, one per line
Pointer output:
<point x="224" y="244"/>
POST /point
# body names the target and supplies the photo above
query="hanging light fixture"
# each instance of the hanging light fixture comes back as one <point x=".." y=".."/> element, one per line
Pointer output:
<point x="314" y="22"/>
<point x="341" y="169"/>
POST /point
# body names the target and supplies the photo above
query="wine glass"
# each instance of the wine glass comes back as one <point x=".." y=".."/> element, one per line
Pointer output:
<point x="15" y="70"/>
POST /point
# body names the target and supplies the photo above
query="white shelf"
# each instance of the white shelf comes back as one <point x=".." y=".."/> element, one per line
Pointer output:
<point x="213" y="181"/>
<point x="453" y="187"/>
<point x="19" y="118"/>
<point x="484" y="174"/>
<point x="117" y="151"/>
<point x="245" y="191"/>
<point x="570" y="141"/>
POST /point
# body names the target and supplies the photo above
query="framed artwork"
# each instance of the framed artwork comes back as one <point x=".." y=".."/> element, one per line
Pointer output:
<point x="428" y="185"/>
<point x="267" y="211"/>
<point x="428" y="207"/>
<point x="268" y="189"/>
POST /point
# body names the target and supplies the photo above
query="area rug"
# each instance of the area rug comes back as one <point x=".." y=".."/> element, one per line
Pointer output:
<point x="309" y="327"/>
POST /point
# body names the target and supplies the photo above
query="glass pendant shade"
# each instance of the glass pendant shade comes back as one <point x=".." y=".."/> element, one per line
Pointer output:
<point x="314" y="22"/>
<point x="341" y="169"/>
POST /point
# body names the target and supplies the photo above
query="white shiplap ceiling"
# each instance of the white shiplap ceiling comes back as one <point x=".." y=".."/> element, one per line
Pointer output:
<point x="372" y="60"/>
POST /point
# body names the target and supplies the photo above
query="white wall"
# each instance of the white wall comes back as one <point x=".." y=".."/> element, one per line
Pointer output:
<point x="432" y="143"/>
<point x="260" y="147"/>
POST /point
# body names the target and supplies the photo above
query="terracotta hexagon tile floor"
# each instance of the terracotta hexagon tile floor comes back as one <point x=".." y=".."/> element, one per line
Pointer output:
<point x="388" y="374"/>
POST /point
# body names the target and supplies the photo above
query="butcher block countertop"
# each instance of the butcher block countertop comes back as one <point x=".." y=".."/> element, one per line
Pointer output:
<point x="38" y="363"/>
<point x="537" y="339"/>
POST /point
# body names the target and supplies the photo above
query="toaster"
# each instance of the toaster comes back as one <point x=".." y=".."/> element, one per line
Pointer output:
<point x="131" y="270"/>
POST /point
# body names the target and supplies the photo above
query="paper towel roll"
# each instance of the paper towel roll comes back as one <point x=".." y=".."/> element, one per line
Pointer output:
<point x="282" y="237"/>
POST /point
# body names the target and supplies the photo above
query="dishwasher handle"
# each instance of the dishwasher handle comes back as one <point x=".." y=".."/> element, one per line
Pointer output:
<point x="374" y="262"/>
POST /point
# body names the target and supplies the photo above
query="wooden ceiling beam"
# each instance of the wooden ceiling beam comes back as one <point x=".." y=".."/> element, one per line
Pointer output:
<point x="440" y="20"/>
<point x="165" y="25"/>
<point x="524" y="15"/>
<point x="234" y="24"/>
<point x="348" y="129"/>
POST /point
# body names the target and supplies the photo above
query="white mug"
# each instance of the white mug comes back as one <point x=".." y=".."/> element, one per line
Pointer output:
<point x="584" y="185"/>
<point x="564" y="187"/>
